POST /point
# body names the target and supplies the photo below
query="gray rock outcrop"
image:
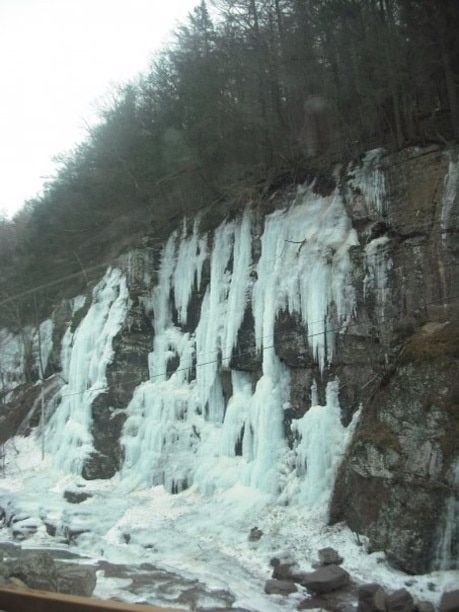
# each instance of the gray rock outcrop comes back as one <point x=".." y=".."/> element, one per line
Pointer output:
<point x="371" y="598"/>
<point x="37" y="571"/>
<point x="424" y="606"/>
<point x="40" y="571"/>
<point x="400" y="601"/>
<point x="326" y="579"/>
<point x="398" y="468"/>
<point x="73" y="579"/>
<point x="329" y="556"/>
<point x="279" y="587"/>
<point x="449" y="601"/>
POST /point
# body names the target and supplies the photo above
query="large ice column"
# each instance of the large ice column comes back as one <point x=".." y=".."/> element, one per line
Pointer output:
<point x="222" y="309"/>
<point x="320" y="448"/>
<point x="68" y="435"/>
<point x="239" y="286"/>
<point x="305" y="268"/>
<point x="264" y="443"/>
<point x="161" y="311"/>
<point x="214" y="316"/>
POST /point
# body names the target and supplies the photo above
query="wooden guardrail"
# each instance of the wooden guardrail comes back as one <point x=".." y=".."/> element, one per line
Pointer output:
<point x="13" y="599"/>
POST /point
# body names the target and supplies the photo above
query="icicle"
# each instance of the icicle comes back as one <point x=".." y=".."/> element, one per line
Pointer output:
<point x="239" y="285"/>
<point x="188" y="269"/>
<point x="237" y="415"/>
<point x="265" y="442"/>
<point x="214" y="311"/>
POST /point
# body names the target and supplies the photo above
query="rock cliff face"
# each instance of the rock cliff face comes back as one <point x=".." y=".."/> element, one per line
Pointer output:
<point x="400" y="470"/>
<point x="307" y="347"/>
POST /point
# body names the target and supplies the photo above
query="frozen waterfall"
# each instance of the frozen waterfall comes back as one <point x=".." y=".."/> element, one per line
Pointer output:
<point x="178" y="431"/>
<point x="199" y="420"/>
<point x="88" y="351"/>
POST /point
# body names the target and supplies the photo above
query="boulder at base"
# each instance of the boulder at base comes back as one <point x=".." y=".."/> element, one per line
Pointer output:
<point x="425" y="606"/>
<point x="37" y="571"/>
<point x="372" y="598"/>
<point x="330" y="556"/>
<point x="326" y="579"/>
<point x="279" y="587"/>
<point x="450" y="601"/>
<point x="400" y="601"/>
<point x="40" y="571"/>
<point x="73" y="579"/>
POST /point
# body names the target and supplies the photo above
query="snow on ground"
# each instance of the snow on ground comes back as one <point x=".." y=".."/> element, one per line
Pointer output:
<point x="194" y="536"/>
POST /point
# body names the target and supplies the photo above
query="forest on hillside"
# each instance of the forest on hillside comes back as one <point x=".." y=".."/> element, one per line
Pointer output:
<point x="248" y="90"/>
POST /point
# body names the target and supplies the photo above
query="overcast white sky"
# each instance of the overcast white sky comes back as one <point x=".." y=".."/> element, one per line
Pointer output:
<point x="57" y="57"/>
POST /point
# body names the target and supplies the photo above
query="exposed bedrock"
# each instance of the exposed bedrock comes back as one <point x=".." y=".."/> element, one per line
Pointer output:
<point x="397" y="482"/>
<point x="245" y="355"/>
